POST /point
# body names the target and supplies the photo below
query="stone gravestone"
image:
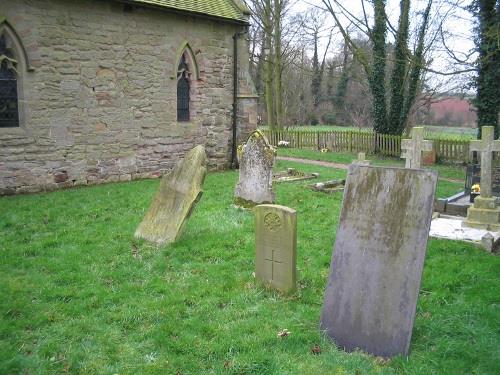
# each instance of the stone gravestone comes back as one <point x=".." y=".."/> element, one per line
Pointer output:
<point x="276" y="246"/>
<point x="378" y="257"/>
<point x="412" y="148"/>
<point x="361" y="160"/>
<point x="485" y="213"/>
<point x="256" y="172"/>
<point x="179" y="192"/>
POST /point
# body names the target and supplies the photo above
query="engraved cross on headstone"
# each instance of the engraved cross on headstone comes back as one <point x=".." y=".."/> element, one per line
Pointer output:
<point x="273" y="261"/>
<point x="413" y="148"/>
<point x="487" y="145"/>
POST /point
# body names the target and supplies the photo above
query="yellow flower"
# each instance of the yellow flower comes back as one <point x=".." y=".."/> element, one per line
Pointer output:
<point x="475" y="188"/>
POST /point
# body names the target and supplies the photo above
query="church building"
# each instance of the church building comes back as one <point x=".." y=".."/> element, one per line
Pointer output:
<point x="95" y="91"/>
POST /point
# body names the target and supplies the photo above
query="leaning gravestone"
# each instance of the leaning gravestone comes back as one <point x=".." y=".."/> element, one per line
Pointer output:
<point x="276" y="246"/>
<point x="256" y="172"/>
<point x="377" y="261"/>
<point x="179" y="192"/>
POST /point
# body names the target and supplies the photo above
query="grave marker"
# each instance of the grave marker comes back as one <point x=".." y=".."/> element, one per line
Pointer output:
<point x="485" y="213"/>
<point x="256" y="172"/>
<point x="377" y="261"/>
<point x="276" y="246"/>
<point x="486" y="146"/>
<point x="179" y="192"/>
<point x="361" y="160"/>
<point x="413" y="148"/>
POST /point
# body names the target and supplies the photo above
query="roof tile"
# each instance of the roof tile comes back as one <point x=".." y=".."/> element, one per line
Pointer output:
<point x="215" y="8"/>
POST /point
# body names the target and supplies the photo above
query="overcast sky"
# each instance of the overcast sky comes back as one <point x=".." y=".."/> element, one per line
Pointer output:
<point x="458" y="24"/>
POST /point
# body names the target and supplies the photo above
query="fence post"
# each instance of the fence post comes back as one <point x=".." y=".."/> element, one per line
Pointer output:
<point x="350" y="142"/>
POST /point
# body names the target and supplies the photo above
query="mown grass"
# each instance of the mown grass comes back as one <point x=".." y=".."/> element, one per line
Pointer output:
<point x="81" y="296"/>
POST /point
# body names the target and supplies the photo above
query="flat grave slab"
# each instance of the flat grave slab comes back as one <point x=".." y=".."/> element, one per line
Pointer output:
<point x="291" y="174"/>
<point x="378" y="257"/>
<point x="328" y="187"/>
<point x="451" y="229"/>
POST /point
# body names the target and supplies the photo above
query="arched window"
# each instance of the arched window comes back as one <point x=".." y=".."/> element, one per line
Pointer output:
<point x="183" y="90"/>
<point x="9" y="105"/>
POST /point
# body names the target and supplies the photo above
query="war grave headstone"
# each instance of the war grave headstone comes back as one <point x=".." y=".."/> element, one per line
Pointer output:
<point x="485" y="212"/>
<point x="412" y="148"/>
<point x="292" y="174"/>
<point x="176" y="198"/>
<point x="256" y="159"/>
<point x="371" y="295"/>
<point x="276" y="246"/>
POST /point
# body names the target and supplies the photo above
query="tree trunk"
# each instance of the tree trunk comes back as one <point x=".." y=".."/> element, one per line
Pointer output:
<point x="278" y="65"/>
<point x="399" y="70"/>
<point x="268" y="30"/>
<point x="377" y="76"/>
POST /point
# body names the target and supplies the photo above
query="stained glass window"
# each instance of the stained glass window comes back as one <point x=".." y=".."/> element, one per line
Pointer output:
<point x="183" y="90"/>
<point x="9" y="114"/>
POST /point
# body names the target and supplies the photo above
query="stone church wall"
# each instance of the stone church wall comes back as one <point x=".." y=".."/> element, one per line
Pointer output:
<point x="100" y="103"/>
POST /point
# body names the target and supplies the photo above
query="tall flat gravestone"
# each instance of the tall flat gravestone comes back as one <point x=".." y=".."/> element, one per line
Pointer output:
<point x="179" y="192"/>
<point x="256" y="172"/>
<point x="276" y="246"/>
<point x="378" y="257"/>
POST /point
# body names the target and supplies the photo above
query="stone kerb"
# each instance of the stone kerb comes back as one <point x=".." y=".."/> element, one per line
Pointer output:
<point x="276" y="246"/>
<point x="256" y="160"/>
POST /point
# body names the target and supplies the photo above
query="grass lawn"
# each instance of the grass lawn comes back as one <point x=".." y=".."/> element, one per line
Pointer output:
<point x="445" y="188"/>
<point x="81" y="296"/>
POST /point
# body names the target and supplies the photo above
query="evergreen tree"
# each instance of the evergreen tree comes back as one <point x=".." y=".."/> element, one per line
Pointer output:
<point x="487" y="83"/>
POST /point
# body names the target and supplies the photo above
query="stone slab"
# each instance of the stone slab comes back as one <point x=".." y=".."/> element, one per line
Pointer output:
<point x="276" y="246"/>
<point x="452" y="229"/>
<point x="378" y="257"/>
<point x="179" y="192"/>
<point x="292" y="175"/>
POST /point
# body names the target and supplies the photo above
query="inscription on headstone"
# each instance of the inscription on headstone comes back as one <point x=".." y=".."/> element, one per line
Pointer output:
<point x="377" y="261"/>
<point x="276" y="246"/>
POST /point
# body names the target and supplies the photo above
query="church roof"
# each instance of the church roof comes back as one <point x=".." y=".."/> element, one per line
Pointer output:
<point x="230" y="10"/>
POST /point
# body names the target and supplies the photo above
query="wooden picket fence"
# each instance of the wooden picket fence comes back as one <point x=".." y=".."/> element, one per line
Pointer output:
<point x="452" y="150"/>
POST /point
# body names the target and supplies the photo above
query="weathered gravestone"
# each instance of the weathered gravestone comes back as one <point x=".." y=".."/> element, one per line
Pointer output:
<point x="179" y="192"/>
<point x="361" y="160"/>
<point x="485" y="213"/>
<point x="378" y="257"/>
<point x="256" y="172"/>
<point x="276" y="246"/>
<point x="412" y="148"/>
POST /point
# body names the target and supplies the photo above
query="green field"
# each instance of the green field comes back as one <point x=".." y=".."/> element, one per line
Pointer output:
<point x="81" y="296"/>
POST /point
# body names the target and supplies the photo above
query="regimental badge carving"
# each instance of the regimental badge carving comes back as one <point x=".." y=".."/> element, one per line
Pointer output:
<point x="272" y="221"/>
